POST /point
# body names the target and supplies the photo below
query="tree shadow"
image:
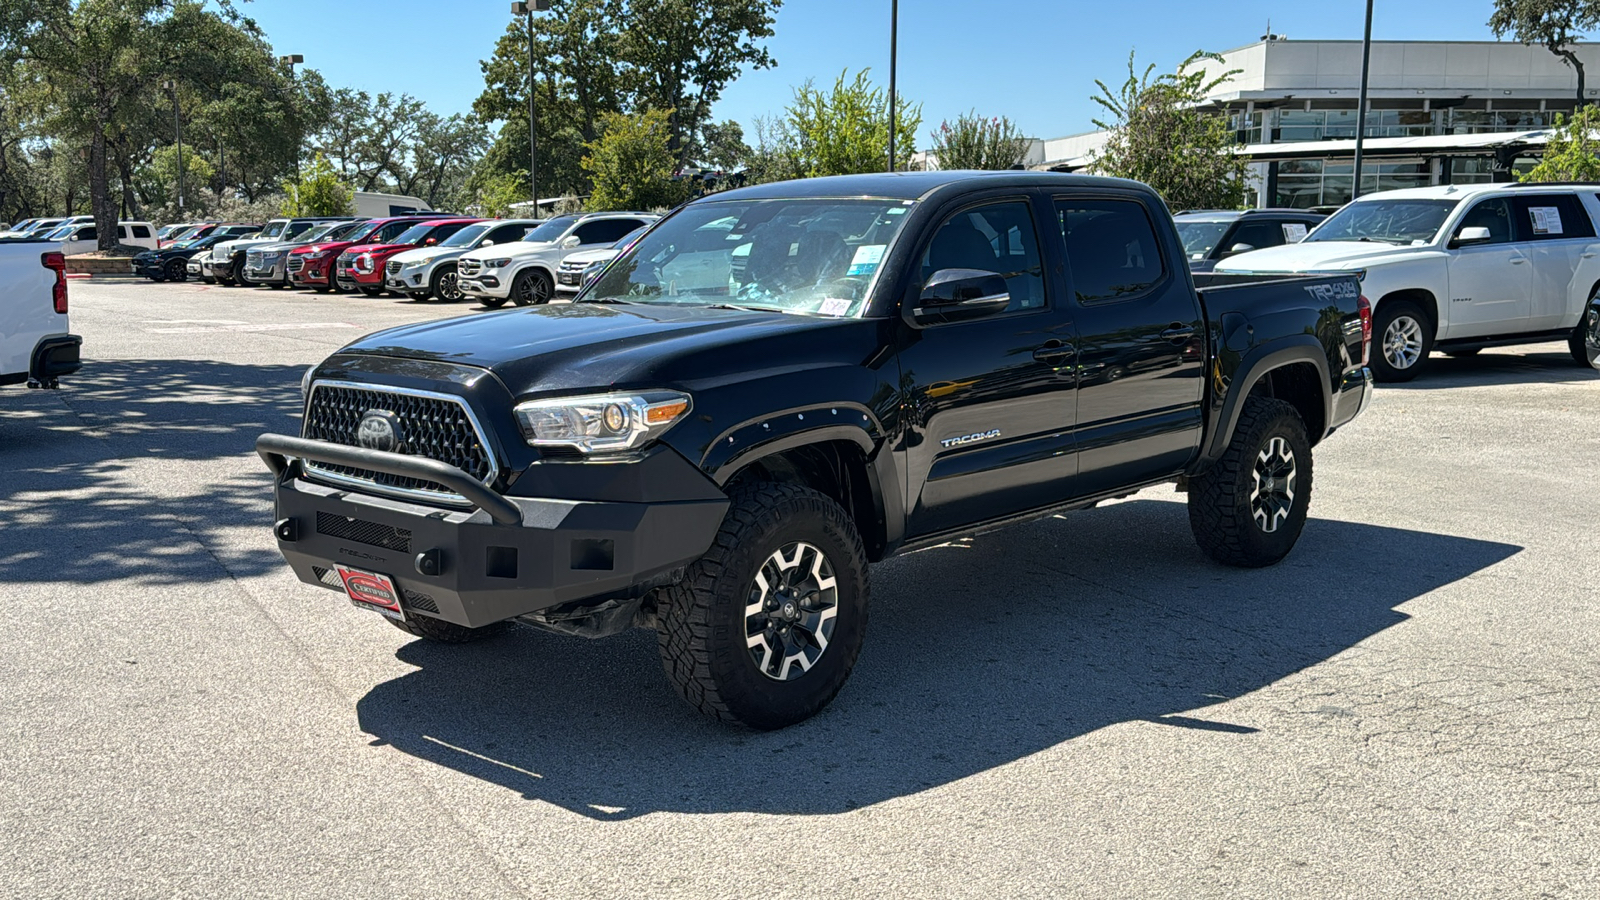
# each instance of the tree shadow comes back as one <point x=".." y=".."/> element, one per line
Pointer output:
<point x="979" y="653"/>
<point x="89" y="493"/>
<point x="1521" y="365"/>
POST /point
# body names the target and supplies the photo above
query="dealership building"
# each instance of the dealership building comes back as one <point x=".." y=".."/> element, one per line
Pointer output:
<point x="1437" y="113"/>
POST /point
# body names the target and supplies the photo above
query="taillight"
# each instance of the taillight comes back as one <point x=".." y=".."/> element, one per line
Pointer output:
<point x="1364" y="307"/>
<point x="57" y="263"/>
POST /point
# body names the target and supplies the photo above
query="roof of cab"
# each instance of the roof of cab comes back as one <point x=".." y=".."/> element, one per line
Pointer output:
<point x="912" y="185"/>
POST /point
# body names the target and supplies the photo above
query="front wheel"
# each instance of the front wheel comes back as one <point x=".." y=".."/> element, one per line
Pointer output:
<point x="764" y="629"/>
<point x="532" y="287"/>
<point x="1403" y="338"/>
<point x="1249" y="508"/>
<point x="493" y="302"/>
<point x="178" y="270"/>
<point x="445" y="284"/>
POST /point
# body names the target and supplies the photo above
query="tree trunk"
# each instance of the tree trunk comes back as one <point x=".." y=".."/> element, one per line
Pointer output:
<point x="130" y="202"/>
<point x="1572" y="60"/>
<point x="104" y="211"/>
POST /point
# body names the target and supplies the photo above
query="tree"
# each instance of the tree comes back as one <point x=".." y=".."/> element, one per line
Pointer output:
<point x="1553" y="24"/>
<point x="776" y="155"/>
<point x="1161" y="137"/>
<point x="845" y="130"/>
<point x="493" y="194"/>
<point x="1573" y="151"/>
<point x="975" y="142"/>
<point x="318" y="192"/>
<point x="163" y="173"/>
<point x="722" y="146"/>
<point x="631" y="163"/>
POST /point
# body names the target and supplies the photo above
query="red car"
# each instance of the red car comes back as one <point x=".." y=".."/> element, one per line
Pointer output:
<point x="360" y="266"/>
<point x="311" y="266"/>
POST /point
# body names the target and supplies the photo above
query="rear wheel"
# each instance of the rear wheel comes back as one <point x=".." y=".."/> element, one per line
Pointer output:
<point x="1584" y="342"/>
<point x="1403" y="338"/>
<point x="442" y="632"/>
<point x="1250" y="507"/>
<point x="765" y="628"/>
<point x="445" y="284"/>
<point x="532" y="287"/>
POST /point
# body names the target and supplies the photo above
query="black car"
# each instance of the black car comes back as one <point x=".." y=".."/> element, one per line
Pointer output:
<point x="730" y="424"/>
<point x="1209" y="235"/>
<point x="171" y="262"/>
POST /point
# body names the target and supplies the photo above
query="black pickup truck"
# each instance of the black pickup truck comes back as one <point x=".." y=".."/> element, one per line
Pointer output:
<point x="778" y="385"/>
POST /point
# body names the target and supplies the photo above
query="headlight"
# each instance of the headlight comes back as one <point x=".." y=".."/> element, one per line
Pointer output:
<point x="497" y="263"/>
<point x="601" y="423"/>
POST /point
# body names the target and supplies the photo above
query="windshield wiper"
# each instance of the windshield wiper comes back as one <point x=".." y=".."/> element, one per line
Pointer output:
<point x="1378" y="240"/>
<point x="606" y="300"/>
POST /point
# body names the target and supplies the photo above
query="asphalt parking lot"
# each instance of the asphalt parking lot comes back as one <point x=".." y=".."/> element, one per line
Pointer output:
<point x="1082" y="706"/>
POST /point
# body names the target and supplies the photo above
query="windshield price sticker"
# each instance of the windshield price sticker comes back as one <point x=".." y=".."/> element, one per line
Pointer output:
<point x="834" y="306"/>
<point x="1294" y="232"/>
<point x="867" y="258"/>
<point x="1546" y="219"/>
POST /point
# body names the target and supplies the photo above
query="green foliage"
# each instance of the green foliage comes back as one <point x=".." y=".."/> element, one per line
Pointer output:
<point x="1161" y="137"/>
<point x="631" y="163"/>
<point x="976" y="142"/>
<point x="162" y="174"/>
<point x="775" y="156"/>
<point x="1573" y="152"/>
<point x="1553" y="24"/>
<point x="722" y="146"/>
<point x="491" y="194"/>
<point x="318" y="192"/>
<point x="845" y="130"/>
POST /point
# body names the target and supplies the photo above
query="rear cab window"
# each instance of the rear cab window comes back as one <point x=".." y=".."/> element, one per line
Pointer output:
<point x="1112" y="249"/>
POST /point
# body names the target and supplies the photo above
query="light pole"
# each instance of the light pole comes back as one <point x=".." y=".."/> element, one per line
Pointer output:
<point x="177" y="135"/>
<point x="894" y="34"/>
<point x="292" y="60"/>
<point x="528" y="8"/>
<point x="1361" y="105"/>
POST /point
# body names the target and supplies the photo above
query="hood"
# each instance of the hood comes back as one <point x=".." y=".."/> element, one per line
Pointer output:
<point x="585" y="257"/>
<point x="358" y="249"/>
<point x="245" y="243"/>
<point x="323" y="247"/>
<point x="426" y="254"/>
<point x="592" y="346"/>
<point x="515" y="250"/>
<point x="1316" y="255"/>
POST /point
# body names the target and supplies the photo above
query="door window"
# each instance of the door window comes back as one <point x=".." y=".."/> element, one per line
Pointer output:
<point x="999" y="238"/>
<point x="1112" y="248"/>
<point x="1259" y="234"/>
<point x="88" y="234"/>
<point x="389" y="232"/>
<point x="141" y="231"/>
<point x="1552" y="217"/>
<point x="507" y="234"/>
<point x="604" y="231"/>
<point x="1494" y="215"/>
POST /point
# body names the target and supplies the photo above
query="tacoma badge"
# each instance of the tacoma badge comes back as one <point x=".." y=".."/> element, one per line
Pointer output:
<point x="970" y="438"/>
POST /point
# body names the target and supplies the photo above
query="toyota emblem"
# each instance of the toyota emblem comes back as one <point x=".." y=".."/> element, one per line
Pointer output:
<point x="379" y="430"/>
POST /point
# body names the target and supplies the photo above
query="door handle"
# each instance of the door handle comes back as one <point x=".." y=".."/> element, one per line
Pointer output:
<point x="1588" y="256"/>
<point x="1517" y="261"/>
<point x="1178" y="332"/>
<point x="1054" y="350"/>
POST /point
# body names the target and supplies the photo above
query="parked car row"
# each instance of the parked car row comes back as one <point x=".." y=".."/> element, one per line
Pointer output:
<point x="78" y="234"/>
<point x="423" y="256"/>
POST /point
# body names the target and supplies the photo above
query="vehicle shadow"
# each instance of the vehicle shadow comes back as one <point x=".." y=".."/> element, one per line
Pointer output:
<point x="1515" y="365"/>
<point x="88" y="495"/>
<point x="979" y="653"/>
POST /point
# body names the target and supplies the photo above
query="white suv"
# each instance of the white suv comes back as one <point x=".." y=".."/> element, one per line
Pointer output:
<point x="525" y="272"/>
<point x="1457" y="268"/>
<point x="82" y="237"/>
<point x="430" y="272"/>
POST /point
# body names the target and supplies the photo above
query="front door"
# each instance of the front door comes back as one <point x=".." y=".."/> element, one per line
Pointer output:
<point x="989" y="401"/>
<point x="1490" y="282"/>
<point x="1141" y="345"/>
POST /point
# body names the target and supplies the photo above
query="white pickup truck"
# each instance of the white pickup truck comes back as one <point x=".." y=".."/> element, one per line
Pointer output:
<point x="35" y="346"/>
<point x="1458" y="268"/>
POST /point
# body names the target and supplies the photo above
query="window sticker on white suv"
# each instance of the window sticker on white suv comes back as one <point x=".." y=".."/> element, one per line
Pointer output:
<point x="1293" y="232"/>
<point x="1546" y="219"/>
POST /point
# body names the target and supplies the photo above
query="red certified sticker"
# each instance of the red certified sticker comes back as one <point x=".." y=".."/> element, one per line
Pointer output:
<point x="370" y="590"/>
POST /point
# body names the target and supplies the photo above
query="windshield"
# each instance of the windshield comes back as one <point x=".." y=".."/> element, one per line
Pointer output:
<point x="344" y="231"/>
<point x="551" y="230"/>
<point x="416" y="234"/>
<point x="60" y="234"/>
<point x="466" y="236"/>
<point x="1201" y="237"/>
<point x="319" y="232"/>
<point x="1387" y="221"/>
<point x="813" y="256"/>
<point x="273" y="229"/>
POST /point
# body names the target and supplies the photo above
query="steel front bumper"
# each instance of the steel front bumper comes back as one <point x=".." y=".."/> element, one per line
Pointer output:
<point x="491" y="559"/>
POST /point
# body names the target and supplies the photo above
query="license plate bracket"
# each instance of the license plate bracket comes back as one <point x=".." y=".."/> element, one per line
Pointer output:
<point x="370" y="590"/>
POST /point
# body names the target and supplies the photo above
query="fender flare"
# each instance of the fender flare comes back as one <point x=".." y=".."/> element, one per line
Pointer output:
<point x="749" y="441"/>
<point x="1254" y="366"/>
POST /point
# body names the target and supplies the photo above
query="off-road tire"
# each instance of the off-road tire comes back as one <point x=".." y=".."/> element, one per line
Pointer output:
<point x="1220" y="510"/>
<point x="177" y="270"/>
<point x="532" y="287"/>
<point x="439" y="284"/>
<point x="1388" y="313"/>
<point x="701" y="619"/>
<point x="441" y="632"/>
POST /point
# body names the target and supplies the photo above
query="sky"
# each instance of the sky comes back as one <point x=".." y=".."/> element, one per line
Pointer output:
<point x="1034" y="61"/>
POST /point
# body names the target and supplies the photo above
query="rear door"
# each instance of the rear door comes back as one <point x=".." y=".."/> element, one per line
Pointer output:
<point x="1141" y="348"/>
<point x="1560" y="242"/>
<point x="1489" y="282"/>
<point x="989" y="400"/>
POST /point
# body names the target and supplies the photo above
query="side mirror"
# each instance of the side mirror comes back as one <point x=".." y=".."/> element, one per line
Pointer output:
<point x="570" y="241"/>
<point x="1236" y="249"/>
<point x="1475" y="234"/>
<point x="486" y="242"/>
<point x="430" y="242"/>
<point x="961" y="293"/>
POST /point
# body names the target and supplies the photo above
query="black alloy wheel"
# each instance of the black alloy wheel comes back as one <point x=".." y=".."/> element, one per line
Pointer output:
<point x="532" y="287"/>
<point x="177" y="270"/>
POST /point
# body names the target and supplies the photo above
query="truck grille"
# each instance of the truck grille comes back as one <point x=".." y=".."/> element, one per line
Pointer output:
<point x="296" y="263"/>
<point x="373" y="534"/>
<point x="432" y="425"/>
<point x="393" y="268"/>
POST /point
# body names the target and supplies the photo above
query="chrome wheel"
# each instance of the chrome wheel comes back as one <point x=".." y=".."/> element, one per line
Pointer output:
<point x="1402" y="342"/>
<point x="449" y="286"/>
<point x="790" y="613"/>
<point x="1272" y="494"/>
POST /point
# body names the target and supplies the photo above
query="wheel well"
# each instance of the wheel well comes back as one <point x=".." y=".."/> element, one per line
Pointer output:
<point x="1422" y="298"/>
<point x="1299" y="385"/>
<point x="837" y="469"/>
